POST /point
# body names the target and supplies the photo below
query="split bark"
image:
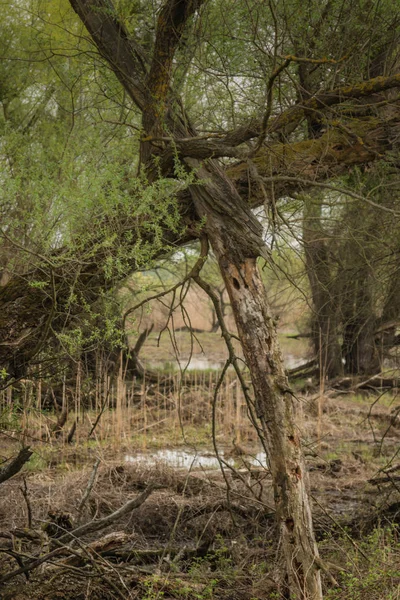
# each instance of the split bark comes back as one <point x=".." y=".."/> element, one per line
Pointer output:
<point x="276" y="410"/>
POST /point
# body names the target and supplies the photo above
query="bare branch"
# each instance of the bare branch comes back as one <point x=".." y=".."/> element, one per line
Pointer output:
<point x="270" y="87"/>
<point x="193" y="273"/>
<point x="324" y="100"/>
<point x="346" y="192"/>
<point x="93" y="526"/>
<point x="89" y="488"/>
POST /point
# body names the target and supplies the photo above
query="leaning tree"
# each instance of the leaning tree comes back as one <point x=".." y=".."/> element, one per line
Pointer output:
<point x="241" y="104"/>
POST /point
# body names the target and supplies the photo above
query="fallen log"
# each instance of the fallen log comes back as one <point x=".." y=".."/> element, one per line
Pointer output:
<point x="388" y="477"/>
<point x="117" y="546"/>
<point x="307" y="369"/>
<point x="375" y="382"/>
<point x="15" y="465"/>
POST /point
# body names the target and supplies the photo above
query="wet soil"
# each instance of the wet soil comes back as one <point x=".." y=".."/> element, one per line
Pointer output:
<point x="201" y="534"/>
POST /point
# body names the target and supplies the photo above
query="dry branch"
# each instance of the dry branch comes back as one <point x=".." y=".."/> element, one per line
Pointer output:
<point x="25" y="493"/>
<point x="89" y="488"/>
<point x="109" y="519"/>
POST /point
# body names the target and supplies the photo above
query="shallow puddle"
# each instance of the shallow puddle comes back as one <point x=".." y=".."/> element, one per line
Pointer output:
<point x="195" y="363"/>
<point x="202" y="363"/>
<point x="185" y="459"/>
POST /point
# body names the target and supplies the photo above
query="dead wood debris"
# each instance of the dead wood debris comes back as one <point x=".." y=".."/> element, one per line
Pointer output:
<point x="62" y="543"/>
<point x="119" y="563"/>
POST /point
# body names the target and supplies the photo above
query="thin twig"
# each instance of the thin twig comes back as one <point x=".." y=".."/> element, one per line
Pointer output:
<point x="25" y="493"/>
<point x="233" y="358"/>
<point x="341" y="528"/>
<point x="195" y="270"/>
<point x="268" y="110"/>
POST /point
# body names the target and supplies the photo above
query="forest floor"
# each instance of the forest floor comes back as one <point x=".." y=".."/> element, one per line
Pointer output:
<point x="200" y="534"/>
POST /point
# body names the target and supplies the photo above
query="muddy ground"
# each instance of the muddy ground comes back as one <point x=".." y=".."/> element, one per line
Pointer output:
<point x="200" y="534"/>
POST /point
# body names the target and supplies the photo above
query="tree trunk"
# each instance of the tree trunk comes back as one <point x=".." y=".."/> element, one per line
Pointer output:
<point x="274" y="401"/>
<point x="275" y="407"/>
<point x="324" y="319"/>
<point x="359" y="347"/>
<point x="387" y="326"/>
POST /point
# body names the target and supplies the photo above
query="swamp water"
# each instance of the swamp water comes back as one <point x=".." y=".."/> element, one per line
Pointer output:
<point x="188" y="459"/>
<point x="202" y="363"/>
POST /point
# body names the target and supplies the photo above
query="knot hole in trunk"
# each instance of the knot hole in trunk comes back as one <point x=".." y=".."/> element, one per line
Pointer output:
<point x="236" y="283"/>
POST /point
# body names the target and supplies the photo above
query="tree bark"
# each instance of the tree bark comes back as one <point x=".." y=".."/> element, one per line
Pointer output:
<point x="275" y="408"/>
<point x="324" y="318"/>
<point x="360" y="352"/>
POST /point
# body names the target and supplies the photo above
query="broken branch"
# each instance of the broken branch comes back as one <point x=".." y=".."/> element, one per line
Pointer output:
<point x="15" y="465"/>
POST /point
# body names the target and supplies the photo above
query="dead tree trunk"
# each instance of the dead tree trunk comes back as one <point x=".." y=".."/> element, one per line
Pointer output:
<point x="275" y="408"/>
<point x="233" y="235"/>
